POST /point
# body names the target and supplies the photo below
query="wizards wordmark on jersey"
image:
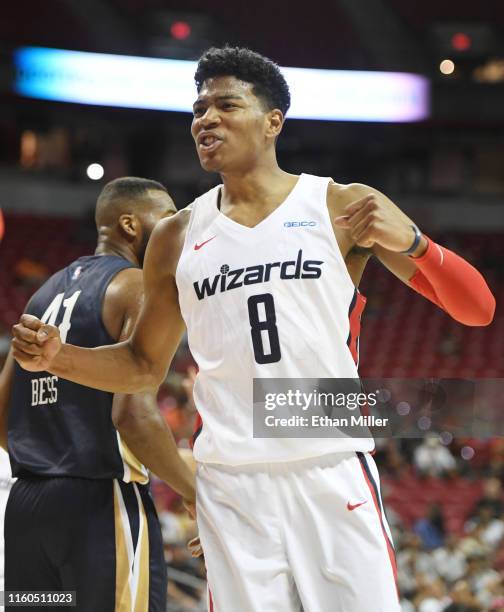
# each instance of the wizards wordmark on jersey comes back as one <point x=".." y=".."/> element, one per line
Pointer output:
<point x="228" y="279"/>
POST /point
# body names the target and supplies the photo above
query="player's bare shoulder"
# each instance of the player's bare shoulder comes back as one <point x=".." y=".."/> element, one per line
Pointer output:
<point x="340" y="194"/>
<point x="167" y="241"/>
<point x="123" y="298"/>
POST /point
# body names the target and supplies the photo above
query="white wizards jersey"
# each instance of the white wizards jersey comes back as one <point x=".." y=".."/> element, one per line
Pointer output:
<point x="272" y="301"/>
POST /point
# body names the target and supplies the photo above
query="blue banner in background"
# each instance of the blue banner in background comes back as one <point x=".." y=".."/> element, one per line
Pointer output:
<point x="168" y="85"/>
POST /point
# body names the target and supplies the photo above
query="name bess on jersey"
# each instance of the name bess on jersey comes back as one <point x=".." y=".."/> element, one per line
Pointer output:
<point x="44" y="390"/>
<point x="233" y="279"/>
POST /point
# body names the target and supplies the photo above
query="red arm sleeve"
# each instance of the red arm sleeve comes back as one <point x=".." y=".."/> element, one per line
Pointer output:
<point x="454" y="285"/>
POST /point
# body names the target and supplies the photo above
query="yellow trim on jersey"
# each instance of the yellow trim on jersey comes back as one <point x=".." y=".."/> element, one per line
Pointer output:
<point x="122" y="590"/>
<point x="132" y="563"/>
<point x="142" y="554"/>
<point x="134" y="471"/>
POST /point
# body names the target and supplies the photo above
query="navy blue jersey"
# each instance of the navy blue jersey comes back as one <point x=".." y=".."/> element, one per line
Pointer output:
<point x="57" y="427"/>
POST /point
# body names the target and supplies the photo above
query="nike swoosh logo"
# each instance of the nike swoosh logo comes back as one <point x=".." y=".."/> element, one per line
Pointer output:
<point x="197" y="247"/>
<point x="353" y="506"/>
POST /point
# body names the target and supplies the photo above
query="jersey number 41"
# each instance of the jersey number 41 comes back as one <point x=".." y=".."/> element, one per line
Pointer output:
<point x="51" y="314"/>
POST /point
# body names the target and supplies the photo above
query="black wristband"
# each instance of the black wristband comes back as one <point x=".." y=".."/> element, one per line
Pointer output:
<point x="416" y="241"/>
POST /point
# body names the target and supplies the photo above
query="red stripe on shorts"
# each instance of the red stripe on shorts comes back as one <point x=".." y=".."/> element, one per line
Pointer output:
<point x="354" y="319"/>
<point x="210" y="601"/>
<point x="390" y="550"/>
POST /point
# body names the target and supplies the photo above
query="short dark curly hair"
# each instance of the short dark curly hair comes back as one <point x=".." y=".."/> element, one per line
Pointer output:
<point x="120" y="192"/>
<point x="268" y="82"/>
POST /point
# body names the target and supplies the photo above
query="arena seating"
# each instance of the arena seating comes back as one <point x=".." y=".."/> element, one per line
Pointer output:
<point x="51" y="241"/>
<point x="411" y="497"/>
<point x="404" y="335"/>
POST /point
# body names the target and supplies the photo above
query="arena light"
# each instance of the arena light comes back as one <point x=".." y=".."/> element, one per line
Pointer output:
<point x="180" y="30"/>
<point x="447" y="66"/>
<point x="95" y="171"/>
<point x="461" y="41"/>
<point x="163" y="84"/>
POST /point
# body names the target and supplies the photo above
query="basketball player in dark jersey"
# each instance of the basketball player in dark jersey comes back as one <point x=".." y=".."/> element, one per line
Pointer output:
<point x="80" y="516"/>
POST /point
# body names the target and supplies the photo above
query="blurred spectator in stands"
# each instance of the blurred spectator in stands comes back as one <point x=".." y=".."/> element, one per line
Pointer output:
<point x="462" y="599"/>
<point x="413" y="561"/>
<point x="431" y="528"/>
<point x="406" y="605"/>
<point x="471" y="544"/>
<point x="186" y="586"/>
<point x="395" y="523"/>
<point x="177" y="529"/>
<point x="494" y="532"/>
<point x="432" y="596"/>
<point x="433" y="459"/>
<point x="497" y="605"/>
<point x="496" y="591"/>
<point x="177" y="408"/>
<point x="390" y="457"/>
<point x="30" y="273"/>
<point x="495" y="466"/>
<point x="490" y="530"/>
<point x="499" y="560"/>
<point x="449" y="560"/>
<point x="482" y="578"/>
<point x="491" y="498"/>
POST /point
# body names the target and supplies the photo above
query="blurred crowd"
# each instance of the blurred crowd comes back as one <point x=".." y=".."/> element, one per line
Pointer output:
<point x="186" y="574"/>
<point x="447" y="565"/>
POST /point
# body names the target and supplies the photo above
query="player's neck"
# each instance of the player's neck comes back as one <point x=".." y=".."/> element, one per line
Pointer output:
<point x="106" y="247"/>
<point x="252" y="186"/>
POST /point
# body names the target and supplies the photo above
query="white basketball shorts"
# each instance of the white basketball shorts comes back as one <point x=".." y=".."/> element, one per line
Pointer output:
<point x="306" y="535"/>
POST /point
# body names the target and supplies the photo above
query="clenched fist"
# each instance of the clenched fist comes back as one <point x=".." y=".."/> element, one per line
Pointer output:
<point x="376" y="220"/>
<point x="35" y="344"/>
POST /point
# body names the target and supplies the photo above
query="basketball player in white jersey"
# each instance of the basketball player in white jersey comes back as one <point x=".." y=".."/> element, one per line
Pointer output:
<point x="263" y="270"/>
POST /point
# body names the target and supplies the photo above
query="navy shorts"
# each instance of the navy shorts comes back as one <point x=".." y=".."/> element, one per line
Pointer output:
<point x="99" y="538"/>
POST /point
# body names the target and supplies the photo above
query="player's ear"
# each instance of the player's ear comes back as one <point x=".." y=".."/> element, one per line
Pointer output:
<point x="275" y="121"/>
<point x="129" y="225"/>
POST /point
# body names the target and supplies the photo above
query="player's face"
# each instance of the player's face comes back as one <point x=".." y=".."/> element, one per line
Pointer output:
<point x="230" y="125"/>
<point x="160" y="206"/>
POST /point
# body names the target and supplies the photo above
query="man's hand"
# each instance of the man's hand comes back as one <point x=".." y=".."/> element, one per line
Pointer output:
<point x="373" y="220"/>
<point x="190" y="506"/>
<point x="34" y="344"/>
<point x="195" y="547"/>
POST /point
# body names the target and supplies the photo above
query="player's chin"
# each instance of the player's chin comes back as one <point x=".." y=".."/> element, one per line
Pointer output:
<point x="211" y="163"/>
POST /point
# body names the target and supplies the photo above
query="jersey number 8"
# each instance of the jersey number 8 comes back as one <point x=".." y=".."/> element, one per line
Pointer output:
<point x="266" y="324"/>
